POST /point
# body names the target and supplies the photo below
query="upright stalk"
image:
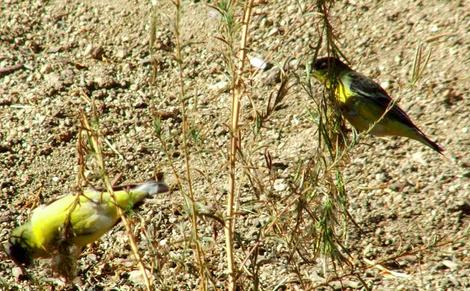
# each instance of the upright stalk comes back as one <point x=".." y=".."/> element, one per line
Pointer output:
<point x="182" y="93"/>
<point x="94" y="138"/>
<point x="237" y="93"/>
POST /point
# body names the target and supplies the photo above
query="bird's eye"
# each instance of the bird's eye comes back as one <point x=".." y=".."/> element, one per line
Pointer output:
<point x="323" y="65"/>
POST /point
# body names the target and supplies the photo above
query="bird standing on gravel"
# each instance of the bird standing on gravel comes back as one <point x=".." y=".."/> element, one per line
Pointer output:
<point x="68" y="224"/>
<point x="365" y="104"/>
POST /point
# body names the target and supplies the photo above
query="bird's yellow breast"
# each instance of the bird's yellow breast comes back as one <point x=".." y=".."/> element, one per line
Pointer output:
<point x="90" y="218"/>
<point x="343" y="89"/>
<point x="47" y="220"/>
<point x="342" y="86"/>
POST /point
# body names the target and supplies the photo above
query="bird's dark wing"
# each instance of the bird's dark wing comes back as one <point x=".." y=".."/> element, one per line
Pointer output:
<point x="365" y="87"/>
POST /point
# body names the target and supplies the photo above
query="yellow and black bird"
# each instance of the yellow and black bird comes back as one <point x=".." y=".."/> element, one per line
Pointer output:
<point x="365" y="104"/>
<point x="85" y="219"/>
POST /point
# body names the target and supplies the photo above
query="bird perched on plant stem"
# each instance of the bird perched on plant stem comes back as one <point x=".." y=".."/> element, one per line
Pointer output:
<point x="74" y="221"/>
<point x="365" y="104"/>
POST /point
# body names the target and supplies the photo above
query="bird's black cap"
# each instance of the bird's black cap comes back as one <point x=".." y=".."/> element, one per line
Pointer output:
<point x="18" y="252"/>
<point x="326" y="63"/>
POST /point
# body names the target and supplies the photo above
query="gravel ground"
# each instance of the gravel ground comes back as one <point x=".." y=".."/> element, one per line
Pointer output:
<point x="411" y="206"/>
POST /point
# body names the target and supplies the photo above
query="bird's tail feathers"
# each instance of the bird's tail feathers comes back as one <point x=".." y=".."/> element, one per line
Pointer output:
<point x="425" y="140"/>
<point x="152" y="187"/>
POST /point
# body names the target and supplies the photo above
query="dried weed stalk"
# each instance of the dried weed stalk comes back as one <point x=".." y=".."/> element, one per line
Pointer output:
<point x="94" y="139"/>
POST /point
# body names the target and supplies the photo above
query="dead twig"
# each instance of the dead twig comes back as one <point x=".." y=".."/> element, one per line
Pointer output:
<point x="10" y="69"/>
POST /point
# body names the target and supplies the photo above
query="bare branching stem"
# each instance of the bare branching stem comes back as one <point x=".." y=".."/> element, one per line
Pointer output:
<point x="237" y="93"/>
<point x="95" y="140"/>
<point x="187" y="160"/>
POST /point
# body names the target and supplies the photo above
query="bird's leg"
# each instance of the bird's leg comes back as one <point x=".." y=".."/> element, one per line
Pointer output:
<point x="64" y="263"/>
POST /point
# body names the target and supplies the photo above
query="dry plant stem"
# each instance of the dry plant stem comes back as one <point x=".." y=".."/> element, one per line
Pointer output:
<point x="237" y="93"/>
<point x="419" y="64"/>
<point x="97" y="147"/>
<point x="182" y="92"/>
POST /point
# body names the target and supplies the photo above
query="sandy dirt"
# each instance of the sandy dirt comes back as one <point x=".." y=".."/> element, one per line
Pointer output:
<point x="411" y="206"/>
